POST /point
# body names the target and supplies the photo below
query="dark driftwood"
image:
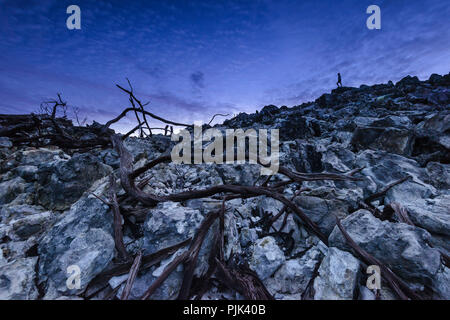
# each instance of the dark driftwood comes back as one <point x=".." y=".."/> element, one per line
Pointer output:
<point x="308" y="294"/>
<point x="132" y="276"/>
<point x="118" y="233"/>
<point x="401" y="213"/>
<point x="167" y="271"/>
<point x="244" y="280"/>
<point x="385" y="215"/>
<point x="217" y="114"/>
<point x="51" y="111"/>
<point x="383" y="191"/>
<point x="125" y="111"/>
<point x="194" y="250"/>
<point x="121" y="268"/>
<point x="239" y="278"/>
<point x="189" y="258"/>
<point x="129" y="133"/>
<point x="141" y="107"/>
<point x="215" y="254"/>
<point x="283" y="210"/>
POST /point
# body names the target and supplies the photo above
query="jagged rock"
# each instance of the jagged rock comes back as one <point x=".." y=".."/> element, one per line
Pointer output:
<point x="437" y="123"/>
<point x="336" y="157"/>
<point x="294" y="126"/>
<point x="13" y="250"/>
<point x="291" y="237"/>
<point x="389" y="139"/>
<point x="326" y="100"/>
<point x="82" y="236"/>
<point x="338" y="276"/>
<point x="399" y="122"/>
<point x="439" y="175"/>
<point x="204" y="205"/>
<point x="2" y="257"/>
<point x="5" y="142"/>
<point x="110" y="158"/>
<point x="439" y="98"/>
<point x="247" y="236"/>
<point x="424" y="207"/>
<point x="401" y="247"/>
<point x="381" y="168"/>
<point x="15" y="212"/>
<point x="365" y="294"/>
<point x="442" y="283"/>
<point x="221" y="294"/>
<point x="10" y="189"/>
<point x="269" y="205"/>
<point x="359" y="121"/>
<point x="435" y="78"/>
<point x="408" y="81"/>
<point x="410" y="191"/>
<point x="432" y="141"/>
<point x="431" y="214"/>
<point x="291" y="280"/>
<point x="35" y="224"/>
<point x="305" y="157"/>
<point x="150" y="147"/>
<point x="17" y="280"/>
<point x="168" y="224"/>
<point x="63" y="182"/>
<point x="27" y="172"/>
<point x="322" y="211"/>
<point x="36" y="157"/>
<point x="266" y="257"/>
<point x="270" y="109"/>
<point x="238" y="174"/>
<point x="232" y="244"/>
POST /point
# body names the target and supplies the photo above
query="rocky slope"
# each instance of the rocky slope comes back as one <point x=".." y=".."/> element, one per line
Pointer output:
<point x="54" y="209"/>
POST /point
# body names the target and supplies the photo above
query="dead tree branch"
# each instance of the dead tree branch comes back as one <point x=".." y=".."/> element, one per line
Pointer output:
<point x="244" y="280"/>
<point x="148" y="261"/>
<point x="118" y="234"/>
<point x="383" y="191"/>
<point x="217" y="114"/>
<point x="401" y="212"/>
<point x="191" y="259"/>
<point x="132" y="276"/>
<point x="125" y="111"/>
<point x="45" y="107"/>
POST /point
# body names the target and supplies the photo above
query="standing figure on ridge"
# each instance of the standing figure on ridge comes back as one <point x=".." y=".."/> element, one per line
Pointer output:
<point x="339" y="82"/>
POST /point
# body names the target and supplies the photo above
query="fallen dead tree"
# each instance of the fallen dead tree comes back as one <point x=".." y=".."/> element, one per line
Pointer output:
<point x="45" y="129"/>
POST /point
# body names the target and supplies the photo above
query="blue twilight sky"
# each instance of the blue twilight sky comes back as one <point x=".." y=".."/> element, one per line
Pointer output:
<point x="192" y="59"/>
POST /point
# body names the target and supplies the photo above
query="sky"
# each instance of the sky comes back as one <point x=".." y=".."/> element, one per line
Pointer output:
<point x="192" y="59"/>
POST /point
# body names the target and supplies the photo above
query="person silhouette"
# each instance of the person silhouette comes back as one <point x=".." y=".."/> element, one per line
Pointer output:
<point x="339" y="82"/>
